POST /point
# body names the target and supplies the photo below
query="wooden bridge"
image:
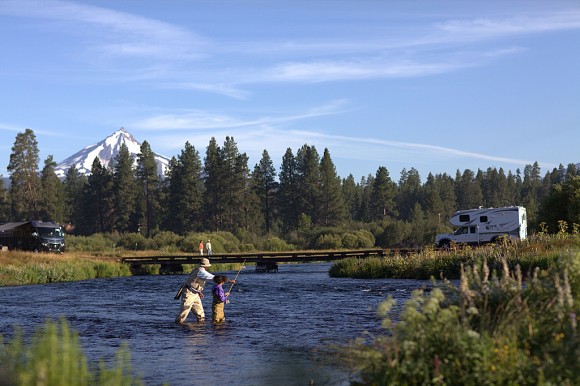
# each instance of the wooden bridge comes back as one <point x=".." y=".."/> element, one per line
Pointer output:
<point x="265" y="261"/>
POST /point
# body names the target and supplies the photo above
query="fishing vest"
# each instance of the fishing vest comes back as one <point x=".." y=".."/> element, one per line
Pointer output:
<point x="194" y="283"/>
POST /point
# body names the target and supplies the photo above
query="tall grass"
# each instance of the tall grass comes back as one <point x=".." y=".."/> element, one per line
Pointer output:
<point x="496" y="327"/>
<point x="20" y="269"/>
<point x="538" y="252"/>
<point x="54" y="357"/>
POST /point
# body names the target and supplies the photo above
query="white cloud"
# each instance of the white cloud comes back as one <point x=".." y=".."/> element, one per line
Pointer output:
<point x="113" y="33"/>
<point x="202" y="120"/>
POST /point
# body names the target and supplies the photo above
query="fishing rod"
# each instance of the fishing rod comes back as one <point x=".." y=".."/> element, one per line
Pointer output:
<point x="236" y="278"/>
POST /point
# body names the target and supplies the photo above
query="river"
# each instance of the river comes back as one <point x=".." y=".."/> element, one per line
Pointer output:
<point x="278" y="327"/>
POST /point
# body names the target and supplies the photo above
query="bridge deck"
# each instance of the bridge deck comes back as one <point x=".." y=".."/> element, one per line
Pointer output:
<point x="266" y="257"/>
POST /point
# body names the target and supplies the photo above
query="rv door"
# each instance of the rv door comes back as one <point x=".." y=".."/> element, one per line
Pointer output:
<point x="467" y="235"/>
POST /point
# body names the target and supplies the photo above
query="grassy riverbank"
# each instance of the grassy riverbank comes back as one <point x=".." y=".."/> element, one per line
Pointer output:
<point x="497" y="327"/>
<point x="23" y="268"/>
<point x="541" y="251"/>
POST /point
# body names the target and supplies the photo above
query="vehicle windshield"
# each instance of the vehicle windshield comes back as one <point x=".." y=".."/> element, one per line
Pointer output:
<point x="50" y="232"/>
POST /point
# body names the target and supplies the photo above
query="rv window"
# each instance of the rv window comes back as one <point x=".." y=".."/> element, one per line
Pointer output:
<point x="472" y="229"/>
<point x="461" y="231"/>
<point x="483" y="219"/>
<point x="463" y="218"/>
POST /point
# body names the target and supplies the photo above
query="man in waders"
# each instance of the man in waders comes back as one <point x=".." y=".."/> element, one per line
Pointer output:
<point x="193" y="292"/>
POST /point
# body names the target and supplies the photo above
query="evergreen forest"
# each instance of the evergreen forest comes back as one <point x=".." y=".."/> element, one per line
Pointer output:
<point x="304" y="202"/>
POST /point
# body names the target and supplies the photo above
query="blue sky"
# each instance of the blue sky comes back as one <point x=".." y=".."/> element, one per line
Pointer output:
<point x="434" y="85"/>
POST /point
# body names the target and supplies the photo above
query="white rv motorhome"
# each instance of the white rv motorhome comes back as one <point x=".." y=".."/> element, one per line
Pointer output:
<point x="485" y="225"/>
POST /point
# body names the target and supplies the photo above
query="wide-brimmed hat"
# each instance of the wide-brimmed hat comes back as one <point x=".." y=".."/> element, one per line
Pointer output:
<point x="205" y="263"/>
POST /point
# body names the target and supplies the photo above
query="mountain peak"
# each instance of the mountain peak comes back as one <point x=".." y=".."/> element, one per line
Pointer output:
<point x="106" y="150"/>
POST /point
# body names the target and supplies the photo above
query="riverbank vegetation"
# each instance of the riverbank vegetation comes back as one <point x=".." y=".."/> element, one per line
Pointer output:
<point x="539" y="251"/>
<point x="54" y="357"/>
<point x="499" y="325"/>
<point x="24" y="268"/>
<point x="21" y="268"/>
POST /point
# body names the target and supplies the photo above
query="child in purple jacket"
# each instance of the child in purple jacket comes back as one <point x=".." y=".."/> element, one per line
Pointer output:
<point x="219" y="299"/>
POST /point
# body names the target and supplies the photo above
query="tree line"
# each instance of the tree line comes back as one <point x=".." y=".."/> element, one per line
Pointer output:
<point x="305" y="202"/>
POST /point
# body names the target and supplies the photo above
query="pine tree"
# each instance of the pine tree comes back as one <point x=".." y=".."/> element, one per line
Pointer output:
<point x="236" y="200"/>
<point x="265" y="186"/>
<point x="124" y="192"/>
<point x="531" y="190"/>
<point x="433" y="203"/>
<point x="366" y="199"/>
<point x="25" y="186"/>
<point x="562" y="204"/>
<point x="382" y="196"/>
<point x="418" y="225"/>
<point x="52" y="206"/>
<point x="213" y="177"/>
<point x="185" y="192"/>
<point x="351" y="196"/>
<point x="288" y="193"/>
<point x="4" y="202"/>
<point x="98" y="200"/>
<point x="73" y="205"/>
<point x="408" y="193"/>
<point x="468" y="191"/>
<point x="149" y="182"/>
<point x="332" y="210"/>
<point x="308" y="168"/>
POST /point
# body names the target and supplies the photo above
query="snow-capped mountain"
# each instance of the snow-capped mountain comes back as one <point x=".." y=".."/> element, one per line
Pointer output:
<point x="107" y="150"/>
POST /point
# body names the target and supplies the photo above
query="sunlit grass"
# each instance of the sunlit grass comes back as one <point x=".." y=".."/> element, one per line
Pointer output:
<point x="538" y="252"/>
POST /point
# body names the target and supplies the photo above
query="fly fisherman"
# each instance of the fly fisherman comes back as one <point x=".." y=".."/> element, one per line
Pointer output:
<point x="193" y="292"/>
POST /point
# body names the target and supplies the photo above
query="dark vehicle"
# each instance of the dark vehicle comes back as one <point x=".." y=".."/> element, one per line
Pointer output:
<point x="32" y="236"/>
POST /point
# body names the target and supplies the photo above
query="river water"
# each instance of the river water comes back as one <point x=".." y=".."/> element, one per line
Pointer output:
<point x="278" y="330"/>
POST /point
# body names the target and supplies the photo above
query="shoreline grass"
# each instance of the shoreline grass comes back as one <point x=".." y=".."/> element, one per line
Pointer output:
<point x="537" y="252"/>
<point x="27" y="268"/>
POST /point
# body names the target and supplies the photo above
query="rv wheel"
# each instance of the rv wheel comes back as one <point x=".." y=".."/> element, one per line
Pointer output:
<point x="444" y="244"/>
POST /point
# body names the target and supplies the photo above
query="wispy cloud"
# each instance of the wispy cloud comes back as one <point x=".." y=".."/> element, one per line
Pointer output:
<point x="216" y="88"/>
<point x="203" y="120"/>
<point x="117" y="33"/>
<point x="486" y="28"/>
<point x="437" y="49"/>
<point x="257" y="132"/>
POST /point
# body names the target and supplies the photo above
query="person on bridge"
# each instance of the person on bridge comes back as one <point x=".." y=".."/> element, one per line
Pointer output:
<point x="208" y="248"/>
<point x="193" y="292"/>
<point x="200" y="248"/>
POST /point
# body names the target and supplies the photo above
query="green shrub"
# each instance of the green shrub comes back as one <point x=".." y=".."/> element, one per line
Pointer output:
<point x="349" y="240"/>
<point x="95" y="243"/>
<point x="134" y="242"/>
<point x="365" y="239"/>
<point x="247" y="247"/>
<point x="275" y="244"/>
<point x="328" y="241"/>
<point x="494" y="328"/>
<point x="54" y="357"/>
<point x="167" y="240"/>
